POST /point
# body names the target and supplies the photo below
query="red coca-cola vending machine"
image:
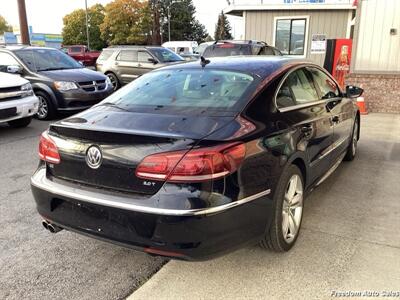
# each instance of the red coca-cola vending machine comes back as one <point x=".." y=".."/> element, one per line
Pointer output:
<point x="338" y="59"/>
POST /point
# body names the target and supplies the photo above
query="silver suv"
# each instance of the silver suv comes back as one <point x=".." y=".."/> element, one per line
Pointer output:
<point x="122" y="64"/>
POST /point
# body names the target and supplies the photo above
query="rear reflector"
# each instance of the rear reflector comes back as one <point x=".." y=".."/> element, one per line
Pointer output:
<point x="226" y="45"/>
<point x="48" y="150"/>
<point x="193" y="166"/>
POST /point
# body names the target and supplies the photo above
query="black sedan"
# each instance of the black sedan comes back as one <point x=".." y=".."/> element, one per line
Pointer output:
<point x="191" y="161"/>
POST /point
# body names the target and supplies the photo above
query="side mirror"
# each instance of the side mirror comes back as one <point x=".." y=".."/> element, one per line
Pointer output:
<point x="15" y="69"/>
<point x="353" y="91"/>
<point x="80" y="62"/>
<point x="152" y="60"/>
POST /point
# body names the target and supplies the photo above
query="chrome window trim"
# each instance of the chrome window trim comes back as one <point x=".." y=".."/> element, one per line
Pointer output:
<point x="40" y="181"/>
<point x="304" y="105"/>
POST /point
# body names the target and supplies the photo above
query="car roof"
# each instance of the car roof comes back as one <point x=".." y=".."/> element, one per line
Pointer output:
<point x="24" y="47"/>
<point x="261" y="66"/>
<point x="132" y="47"/>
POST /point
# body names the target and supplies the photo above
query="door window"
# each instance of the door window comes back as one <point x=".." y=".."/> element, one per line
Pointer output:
<point x="143" y="56"/>
<point x="7" y="60"/>
<point x="128" y="55"/>
<point x="298" y="88"/>
<point x="326" y="85"/>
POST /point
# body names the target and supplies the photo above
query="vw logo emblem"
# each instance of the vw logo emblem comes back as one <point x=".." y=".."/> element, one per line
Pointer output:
<point x="94" y="157"/>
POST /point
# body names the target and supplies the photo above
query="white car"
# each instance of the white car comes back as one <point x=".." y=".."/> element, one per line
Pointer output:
<point x="18" y="103"/>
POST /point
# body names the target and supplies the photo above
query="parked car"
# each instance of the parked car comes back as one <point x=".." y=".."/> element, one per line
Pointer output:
<point x="181" y="47"/>
<point x="18" y="103"/>
<point x="60" y="83"/>
<point x="82" y="54"/>
<point x="122" y="64"/>
<point x="194" y="160"/>
<point x="234" y="48"/>
<point x="202" y="47"/>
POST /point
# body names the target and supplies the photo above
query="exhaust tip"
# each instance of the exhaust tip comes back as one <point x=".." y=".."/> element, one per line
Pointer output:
<point x="45" y="224"/>
<point x="51" y="227"/>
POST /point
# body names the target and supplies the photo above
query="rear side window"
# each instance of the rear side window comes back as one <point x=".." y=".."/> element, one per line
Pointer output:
<point x="75" y="49"/>
<point x="298" y="88"/>
<point x="128" y="55"/>
<point x="227" y="49"/>
<point x="326" y="85"/>
<point x="188" y="89"/>
<point x="105" y="54"/>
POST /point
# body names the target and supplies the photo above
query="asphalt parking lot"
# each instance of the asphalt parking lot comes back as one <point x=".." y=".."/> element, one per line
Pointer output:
<point x="35" y="264"/>
<point x="349" y="240"/>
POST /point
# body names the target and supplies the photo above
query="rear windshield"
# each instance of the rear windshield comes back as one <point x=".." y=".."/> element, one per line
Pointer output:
<point x="188" y="90"/>
<point x="105" y="54"/>
<point x="221" y="50"/>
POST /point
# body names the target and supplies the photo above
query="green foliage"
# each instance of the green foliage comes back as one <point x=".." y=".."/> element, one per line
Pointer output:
<point x="74" y="31"/>
<point x="127" y="22"/>
<point x="184" y="25"/>
<point x="223" y="28"/>
<point x="4" y="26"/>
<point x="208" y="38"/>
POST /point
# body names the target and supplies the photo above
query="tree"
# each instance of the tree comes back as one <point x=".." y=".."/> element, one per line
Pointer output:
<point x="184" y="25"/>
<point x="155" y="9"/>
<point x="208" y="38"/>
<point x="4" y="26"/>
<point x="127" y="22"/>
<point x="74" y="31"/>
<point x="223" y="28"/>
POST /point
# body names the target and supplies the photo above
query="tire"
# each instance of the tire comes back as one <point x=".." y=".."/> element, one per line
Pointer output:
<point x="114" y="81"/>
<point x="286" y="222"/>
<point x="20" y="123"/>
<point x="352" y="149"/>
<point x="47" y="111"/>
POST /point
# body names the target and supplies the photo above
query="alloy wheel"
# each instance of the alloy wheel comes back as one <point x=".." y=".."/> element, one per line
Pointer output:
<point x="113" y="81"/>
<point x="43" y="108"/>
<point x="292" y="208"/>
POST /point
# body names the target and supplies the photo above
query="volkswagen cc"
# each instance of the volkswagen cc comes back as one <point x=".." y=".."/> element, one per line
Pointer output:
<point x="194" y="160"/>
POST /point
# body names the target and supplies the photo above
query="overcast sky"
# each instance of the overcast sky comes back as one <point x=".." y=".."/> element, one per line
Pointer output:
<point x="45" y="16"/>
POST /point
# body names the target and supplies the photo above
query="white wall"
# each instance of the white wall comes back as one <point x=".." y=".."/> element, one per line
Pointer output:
<point x="375" y="49"/>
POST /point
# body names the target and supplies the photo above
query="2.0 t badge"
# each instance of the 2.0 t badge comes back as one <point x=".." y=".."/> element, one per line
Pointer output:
<point x="94" y="157"/>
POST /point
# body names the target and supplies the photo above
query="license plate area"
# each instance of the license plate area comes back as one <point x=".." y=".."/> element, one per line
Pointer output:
<point x="8" y="112"/>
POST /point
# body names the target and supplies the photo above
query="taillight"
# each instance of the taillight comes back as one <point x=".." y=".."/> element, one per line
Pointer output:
<point x="193" y="166"/>
<point x="48" y="150"/>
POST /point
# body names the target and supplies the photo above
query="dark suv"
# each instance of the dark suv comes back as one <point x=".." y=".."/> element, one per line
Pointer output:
<point x="234" y="48"/>
<point x="60" y="82"/>
<point x="122" y="64"/>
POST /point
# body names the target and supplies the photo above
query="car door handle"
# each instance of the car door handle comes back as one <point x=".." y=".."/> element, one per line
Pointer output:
<point x="335" y="119"/>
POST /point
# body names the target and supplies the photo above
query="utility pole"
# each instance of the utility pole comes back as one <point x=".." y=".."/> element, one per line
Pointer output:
<point x="87" y="27"/>
<point x="23" y="22"/>
<point x="169" y="18"/>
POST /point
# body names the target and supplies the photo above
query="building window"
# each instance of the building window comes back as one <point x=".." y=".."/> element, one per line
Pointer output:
<point x="290" y="35"/>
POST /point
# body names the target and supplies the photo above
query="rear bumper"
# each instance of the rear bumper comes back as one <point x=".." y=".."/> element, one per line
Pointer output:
<point x="25" y="107"/>
<point x="191" y="234"/>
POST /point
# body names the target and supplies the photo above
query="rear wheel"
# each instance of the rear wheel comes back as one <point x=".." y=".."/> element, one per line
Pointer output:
<point x="20" y="123"/>
<point x="288" y="212"/>
<point x="352" y="149"/>
<point x="46" y="110"/>
<point x="114" y="81"/>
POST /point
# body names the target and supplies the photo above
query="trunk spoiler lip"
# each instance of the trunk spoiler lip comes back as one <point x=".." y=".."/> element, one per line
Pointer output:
<point x="127" y="131"/>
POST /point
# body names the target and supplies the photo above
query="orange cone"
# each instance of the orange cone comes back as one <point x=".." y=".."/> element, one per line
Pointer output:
<point x="361" y="106"/>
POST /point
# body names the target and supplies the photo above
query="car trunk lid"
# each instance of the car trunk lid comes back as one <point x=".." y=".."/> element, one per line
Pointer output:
<point x="124" y="139"/>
